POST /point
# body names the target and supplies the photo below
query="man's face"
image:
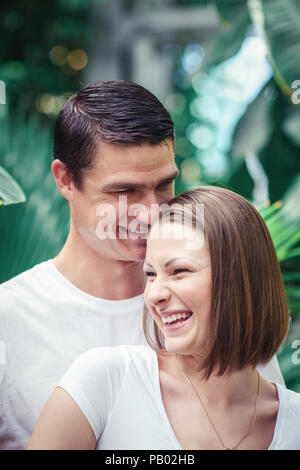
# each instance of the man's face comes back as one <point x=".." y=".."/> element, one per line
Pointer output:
<point x="119" y="198"/>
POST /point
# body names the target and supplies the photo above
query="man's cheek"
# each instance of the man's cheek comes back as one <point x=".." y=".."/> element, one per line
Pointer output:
<point x="106" y="218"/>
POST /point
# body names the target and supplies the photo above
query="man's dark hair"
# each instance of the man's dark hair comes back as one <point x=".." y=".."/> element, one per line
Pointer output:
<point x="117" y="112"/>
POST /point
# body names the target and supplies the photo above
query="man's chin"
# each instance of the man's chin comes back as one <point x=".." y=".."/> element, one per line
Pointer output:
<point x="134" y="250"/>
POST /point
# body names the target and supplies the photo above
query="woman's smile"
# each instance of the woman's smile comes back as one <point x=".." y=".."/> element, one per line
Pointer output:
<point x="178" y="289"/>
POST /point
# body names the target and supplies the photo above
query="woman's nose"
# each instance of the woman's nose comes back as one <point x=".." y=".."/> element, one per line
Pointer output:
<point x="157" y="294"/>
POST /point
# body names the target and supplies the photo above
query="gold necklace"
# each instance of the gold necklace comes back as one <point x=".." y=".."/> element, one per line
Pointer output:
<point x="209" y="418"/>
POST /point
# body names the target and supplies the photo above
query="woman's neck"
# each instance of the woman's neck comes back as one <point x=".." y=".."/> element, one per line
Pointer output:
<point x="221" y="391"/>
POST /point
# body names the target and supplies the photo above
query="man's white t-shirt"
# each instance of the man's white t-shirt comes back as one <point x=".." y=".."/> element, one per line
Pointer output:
<point x="118" y="390"/>
<point x="46" y="323"/>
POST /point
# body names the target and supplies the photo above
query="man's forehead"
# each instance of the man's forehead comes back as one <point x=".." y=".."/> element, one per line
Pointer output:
<point x="145" y="164"/>
<point x="130" y="179"/>
<point x="139" y="176"/>
<point x="142" y="155"/>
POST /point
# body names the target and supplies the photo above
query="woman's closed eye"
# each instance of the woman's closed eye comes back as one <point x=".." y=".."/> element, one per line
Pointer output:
<point x="180" y="270"/>
<point x="174" y="272"/>
<point x="149" y="273"/>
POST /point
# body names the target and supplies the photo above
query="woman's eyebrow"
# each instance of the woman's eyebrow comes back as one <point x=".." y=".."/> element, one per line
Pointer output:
<point x="148" y="264"/>
<point x="175" y="259"/>
<point x="170" y="261"/>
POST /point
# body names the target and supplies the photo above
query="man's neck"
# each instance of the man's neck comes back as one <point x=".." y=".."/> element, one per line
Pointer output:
<point x="98" y="276"/>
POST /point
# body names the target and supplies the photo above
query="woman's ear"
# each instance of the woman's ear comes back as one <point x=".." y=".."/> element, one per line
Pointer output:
<point x="63" y="179"/>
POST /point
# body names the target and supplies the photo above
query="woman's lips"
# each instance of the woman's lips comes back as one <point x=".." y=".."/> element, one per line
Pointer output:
<point x="176" y="324"/>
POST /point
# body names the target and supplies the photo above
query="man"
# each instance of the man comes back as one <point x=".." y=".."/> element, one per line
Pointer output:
<point x="111" y="140"/>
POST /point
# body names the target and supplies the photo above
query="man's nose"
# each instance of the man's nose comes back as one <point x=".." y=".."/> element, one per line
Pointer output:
<point x="146" y="211"/>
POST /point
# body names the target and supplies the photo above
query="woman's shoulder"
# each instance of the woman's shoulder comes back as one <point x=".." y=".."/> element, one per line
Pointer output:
<point x="106" y="368"/>
<point x="96" y="377"/>
<point x="112" y="359"/>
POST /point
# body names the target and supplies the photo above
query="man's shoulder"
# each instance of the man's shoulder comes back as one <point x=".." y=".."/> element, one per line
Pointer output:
<point x="290" y="404"/>
<point x="294" y="400"/>
<point x="21" y="286"/>
<point x="23" y="277"/>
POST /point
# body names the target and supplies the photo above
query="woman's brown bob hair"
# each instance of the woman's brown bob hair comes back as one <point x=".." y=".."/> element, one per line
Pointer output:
<point x="249" y="313"/>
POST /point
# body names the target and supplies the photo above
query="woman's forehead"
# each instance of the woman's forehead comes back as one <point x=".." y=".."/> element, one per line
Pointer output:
<point x="168" y="236"/>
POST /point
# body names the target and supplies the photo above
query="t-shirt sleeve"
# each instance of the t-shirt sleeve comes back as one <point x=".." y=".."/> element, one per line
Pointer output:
<point x="94" y="381"/>
<point x="271" y="371"/>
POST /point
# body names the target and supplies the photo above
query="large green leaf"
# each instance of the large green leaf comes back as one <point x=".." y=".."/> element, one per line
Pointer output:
<point x="291" y="125"/>
<point x="230" y="10"/>
<point x="229" y="42"/>
<point x="254" y="129"/>
<point x="10" y="191"/>
<point x="279" y="23"/>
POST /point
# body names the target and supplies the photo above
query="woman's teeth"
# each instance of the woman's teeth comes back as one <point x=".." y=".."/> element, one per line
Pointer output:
<point x="175" y="317"/>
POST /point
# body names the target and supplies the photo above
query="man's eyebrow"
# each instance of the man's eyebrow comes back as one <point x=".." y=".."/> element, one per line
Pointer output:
<point x="169" y="179"/>
<point x="118" y="185"/>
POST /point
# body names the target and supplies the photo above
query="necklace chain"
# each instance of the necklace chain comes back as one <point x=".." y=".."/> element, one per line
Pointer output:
<point x="209" y="418"/>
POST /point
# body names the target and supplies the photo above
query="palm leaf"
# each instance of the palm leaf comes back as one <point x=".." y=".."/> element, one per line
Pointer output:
<point x="228" y="43"/>
<point x="35" y="231"/>
<point x="10" y="191"/>
<point x="286" y="236"/>
<point x="230" y="10"/>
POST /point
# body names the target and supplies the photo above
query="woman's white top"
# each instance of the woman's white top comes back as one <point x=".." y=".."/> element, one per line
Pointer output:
<point x="118" y="390"/>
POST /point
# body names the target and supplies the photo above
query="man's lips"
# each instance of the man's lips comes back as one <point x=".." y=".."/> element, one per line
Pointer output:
<point x="140" y="233"/>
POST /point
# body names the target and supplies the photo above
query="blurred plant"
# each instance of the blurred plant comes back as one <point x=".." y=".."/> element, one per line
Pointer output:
<point x="269" y="127"/>
<point x="10" y="191"/>
<point x="285" y="233"/>
<point x="35" y="231"/>
<point x="39" y="64"/>
<point x="221" y="123"/>
<point x="249" y="142"/>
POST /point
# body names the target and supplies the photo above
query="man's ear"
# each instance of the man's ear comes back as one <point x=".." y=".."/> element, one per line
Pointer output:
<point x="63" y="179"/>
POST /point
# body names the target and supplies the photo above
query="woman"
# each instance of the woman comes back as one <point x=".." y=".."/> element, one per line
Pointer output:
<point x="215" y="292"/>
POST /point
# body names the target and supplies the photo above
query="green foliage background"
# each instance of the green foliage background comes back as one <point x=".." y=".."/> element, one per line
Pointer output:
<point x="268" y="126"/>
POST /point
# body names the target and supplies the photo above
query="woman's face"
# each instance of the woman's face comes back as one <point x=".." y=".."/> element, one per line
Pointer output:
<point x="178" y="289"/>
